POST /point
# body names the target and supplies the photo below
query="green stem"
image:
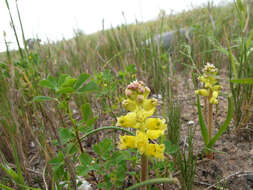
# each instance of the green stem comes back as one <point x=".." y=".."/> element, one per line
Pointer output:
<point x="14" y="29"/>
<point x="210" y="121"/>
<point x="205" y="108"/>
<point x="75" y="128"/>
<point x="153" y="181"/>
<point x="22" y="29"/>
<point x="101" y="129"/>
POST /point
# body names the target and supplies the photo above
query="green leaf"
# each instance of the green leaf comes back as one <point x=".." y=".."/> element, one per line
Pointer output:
<point x="58" y="159"/>
<point x="249" y="39"/>
<point x="81" y="79"/>
<point x="91" y="86"/>
<point x="240" y="5"/>
<point x="47" y="84"/>
<point x="225" y="125"/>
<point x="43" y="99"/>
<point x="82" y="170"/>
<point x="131" y="68"/>
<point x="62" y="78"/>
<point x="65" y="134"/>
<point x="203" y="127"/>
<point x="10" y="172"/>
<point x="103" y="148"/>
<point x="85" y="159"/>
<point x="4" y="187"/>
<point x="65" y="90"/>
<point x="91" y="121"/>
<point x="243" y="81"/>
<point x="87" y="112"/>
<point x="170" y="148"/>
<point x="69" y="82"/>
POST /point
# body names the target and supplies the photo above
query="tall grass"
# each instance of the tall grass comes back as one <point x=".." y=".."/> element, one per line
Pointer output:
<point x="110" y="51"/>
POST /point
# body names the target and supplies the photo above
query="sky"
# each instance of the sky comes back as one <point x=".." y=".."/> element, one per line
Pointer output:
<point x="53" y="20"/>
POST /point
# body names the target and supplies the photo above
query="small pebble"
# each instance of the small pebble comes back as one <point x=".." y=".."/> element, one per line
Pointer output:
<point x="190" y="122"/>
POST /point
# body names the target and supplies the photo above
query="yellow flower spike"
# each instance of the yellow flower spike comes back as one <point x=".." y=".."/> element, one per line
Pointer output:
<point x="141" y="108"/>
<point x="129" y="105"/>
<point x="202" y="92"/>
<point x="126" y="141"/>
<point x="154" y="134"/>
<point x="155" y="124"/>
<point x="128" y="120"/>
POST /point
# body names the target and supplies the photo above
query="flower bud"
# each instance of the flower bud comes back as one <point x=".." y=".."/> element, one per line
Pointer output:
<point x="128" y="92"/>
<point x="147" y="92"/>
<point x="140" y="98"/>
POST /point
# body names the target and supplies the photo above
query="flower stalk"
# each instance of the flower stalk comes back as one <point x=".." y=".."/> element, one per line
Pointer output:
<point x="210" y="119"/>
<point x="144" y="170"/>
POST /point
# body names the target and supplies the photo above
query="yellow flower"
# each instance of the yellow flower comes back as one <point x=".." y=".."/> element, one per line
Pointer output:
<point x="155" y="124"/>
<point x="215" y="94"/>
<point x="141" y="142"/>
<point x="128" y="120"/>
<point x="126" y="141"/>
<point x="202" y="92"/>
<point x="129" y="105"/>
<point x="213" y="100"/>
<point x="154" y="134"/>
<point x="155" y="150"/>
<point x="150" y="104"/>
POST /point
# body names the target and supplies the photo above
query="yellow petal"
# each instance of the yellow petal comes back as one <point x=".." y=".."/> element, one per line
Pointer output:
<point x="155" y="150"/>
<point x="126" y="141"/>
<point x="159" y="151"/>
<point x="146" y="92"/>
<point x="149" y="104"/>
<point x="150" y="150"/>
<point x="129" y="105"/>
<point x="202" y="92"/>
<point x="154" y="134"/>
<point x="217" y="87"/>
<point x="128" y="120"/>
<point x="215" y="94"/>
<point x="155" y="124"/>
<point x="141" y="142"/>
<point x="213" y="101"/>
